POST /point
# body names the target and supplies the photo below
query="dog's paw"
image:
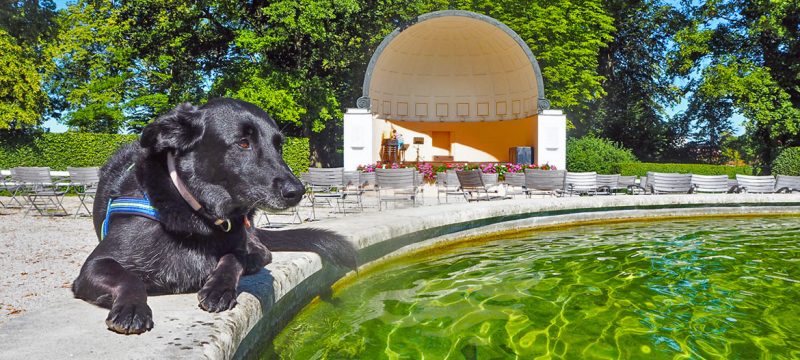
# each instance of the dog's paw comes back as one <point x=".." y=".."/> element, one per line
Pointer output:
<point x="130" y="318"/>
<point x="216" y="298"/>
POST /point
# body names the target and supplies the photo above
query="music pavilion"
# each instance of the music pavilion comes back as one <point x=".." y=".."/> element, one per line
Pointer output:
<point x="462" y="86"/>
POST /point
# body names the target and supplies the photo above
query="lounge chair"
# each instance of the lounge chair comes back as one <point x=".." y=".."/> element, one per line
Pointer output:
<point x="84" y="180"/>
<point x="756" y="184"/>
<point x="353" y="189"/>
<point x="645" y="185"/>
<point x="715" y="184"/>
<point x="787" y="184"/>
<point x="580" y="183"/>
<point x="473" y="187"/>
<point x="447" y="184"/>
<point x="270" y="223"/>
<point x="607" y="184"/>
<point x="547" y="182"/>
<point x="369" y="183"/>
<point x="325" y="185"/>
<point x="515" y="184"/>
<point x="671" y="183"/>
<point x="625" y="183"/>
<point x="42" y="193"/>
<point x="396" y="185"/>
<point x="733" y="184"/>
<point x="9" y="184"/>
<point x="491" y="181"/>
<point x="367" y="180"/>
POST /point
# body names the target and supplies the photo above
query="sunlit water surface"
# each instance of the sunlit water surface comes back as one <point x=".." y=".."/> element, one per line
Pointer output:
<point x="713" y="289"/>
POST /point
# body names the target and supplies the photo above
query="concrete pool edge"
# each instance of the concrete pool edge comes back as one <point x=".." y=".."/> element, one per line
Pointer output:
<point x="272" y="297"/>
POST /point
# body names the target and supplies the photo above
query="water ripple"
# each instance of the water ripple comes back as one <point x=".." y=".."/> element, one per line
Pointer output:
<point x="723" y="288"/>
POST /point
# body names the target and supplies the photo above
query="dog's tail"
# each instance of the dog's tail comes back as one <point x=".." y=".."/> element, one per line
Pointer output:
<point x="330" y="246"/>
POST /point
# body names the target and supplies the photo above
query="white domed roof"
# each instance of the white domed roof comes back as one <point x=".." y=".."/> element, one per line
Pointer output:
<point x="453" y="66"/>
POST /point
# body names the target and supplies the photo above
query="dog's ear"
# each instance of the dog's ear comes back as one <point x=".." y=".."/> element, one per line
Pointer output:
<point x="177" y="130"/>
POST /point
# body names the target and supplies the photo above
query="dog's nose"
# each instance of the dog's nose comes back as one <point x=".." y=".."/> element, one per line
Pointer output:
<point x="293" y="190"/>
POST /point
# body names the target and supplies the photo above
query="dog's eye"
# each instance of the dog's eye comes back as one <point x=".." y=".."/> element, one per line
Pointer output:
<point x="243" y="143"/>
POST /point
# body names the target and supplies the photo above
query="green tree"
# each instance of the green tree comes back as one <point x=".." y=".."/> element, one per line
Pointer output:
<point x="94" y="66"/>
<point x="565" y="36"/>
<point x="25" y="26"/>
<point x="741" y="56"/>
<point x="120" y="63"/>
<point x="636" y="84"/>
<point x="22" y="99"/>
<point x="30" y="22"/>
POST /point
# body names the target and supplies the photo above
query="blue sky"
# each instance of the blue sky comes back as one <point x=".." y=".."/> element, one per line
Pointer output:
<point x="737" y="121"/>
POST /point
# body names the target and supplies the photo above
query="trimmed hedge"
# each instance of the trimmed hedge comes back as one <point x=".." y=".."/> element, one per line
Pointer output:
<point x="641" y="169"/>
<point x="58" y="151"/>
<point x="788" y="162"/>
<point x="591" y="153"/>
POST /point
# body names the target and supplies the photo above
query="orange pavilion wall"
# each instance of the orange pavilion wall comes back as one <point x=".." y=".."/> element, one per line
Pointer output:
<point x="470" y="141"/>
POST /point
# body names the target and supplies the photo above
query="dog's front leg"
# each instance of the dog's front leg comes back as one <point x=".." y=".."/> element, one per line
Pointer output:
<point x="106" y="283"/>
<point x="219" y="292"/>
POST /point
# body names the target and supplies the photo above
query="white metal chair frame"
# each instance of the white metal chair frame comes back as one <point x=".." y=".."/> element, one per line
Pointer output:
<point x="548" y="182"/>
<point x="607" y="184"/>
<point x="324" y="185"/>
<point x="515" y="183"/>
<point x="755" y="184"/>
<point x="43" y="193"/>
<point x="711" y="184"/>
<point x="473" y="186"/>
<point x="787" y="183"/>
<point x="625" y="183"/>
<point x="396" y="185"/>
<point x="644" y="186"/>
<point x="580" y="183"/>
<point x="84" y="181"/>
<point x="353" y="189"/>
<point x="671" y="183"/>
<point x="447" y="184"/>
<point x="15" y="189"/>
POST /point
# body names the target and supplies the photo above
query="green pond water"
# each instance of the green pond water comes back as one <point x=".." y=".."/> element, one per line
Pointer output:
<point x="689" y="289"/>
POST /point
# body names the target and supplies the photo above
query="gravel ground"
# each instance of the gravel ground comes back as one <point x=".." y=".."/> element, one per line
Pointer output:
<point x="39" y="258"/>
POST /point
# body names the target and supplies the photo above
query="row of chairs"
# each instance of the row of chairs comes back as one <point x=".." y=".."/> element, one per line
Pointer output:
<point x="335" y="187"/>
<point x="561" y="183"/>
<point x="475" y="185"/>
<point x="42" y="190"/>
<point x="666" y="183"/>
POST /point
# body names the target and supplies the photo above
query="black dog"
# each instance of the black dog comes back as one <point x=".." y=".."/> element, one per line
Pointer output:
<point x="226" y="161"/>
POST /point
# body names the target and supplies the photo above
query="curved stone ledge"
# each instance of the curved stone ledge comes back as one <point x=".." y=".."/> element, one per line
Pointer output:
<point x="73" y="328"/>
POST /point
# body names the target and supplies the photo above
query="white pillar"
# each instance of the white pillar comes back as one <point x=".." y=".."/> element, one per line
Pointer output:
<point x="552" y="139"/>
<point x="358" y="144"/>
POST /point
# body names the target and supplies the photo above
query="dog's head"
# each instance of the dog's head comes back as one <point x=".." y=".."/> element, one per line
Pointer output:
<point x="229" y="153"/>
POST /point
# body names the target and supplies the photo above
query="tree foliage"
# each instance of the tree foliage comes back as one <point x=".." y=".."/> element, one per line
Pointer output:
<point x="120" y="63"/>
<point x="636" y="84"/>
<point x="25" y="26"/>
<point x="742" y="56"/>
<point x="566" y="38"/>
<point x="113" y="66"/>
<point x="21" y="96"/>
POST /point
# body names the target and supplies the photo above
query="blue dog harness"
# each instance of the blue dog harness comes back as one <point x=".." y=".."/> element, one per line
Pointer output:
<point x="128" y="206"/>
